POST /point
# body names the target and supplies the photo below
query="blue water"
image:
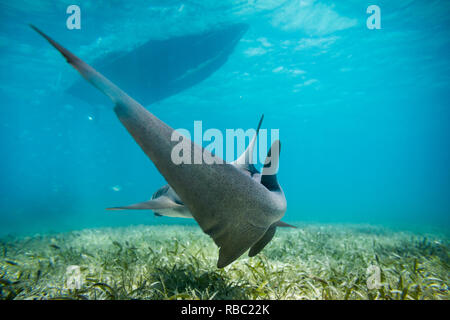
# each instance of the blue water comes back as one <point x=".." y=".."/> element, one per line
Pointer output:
<point x="363" y="114"/>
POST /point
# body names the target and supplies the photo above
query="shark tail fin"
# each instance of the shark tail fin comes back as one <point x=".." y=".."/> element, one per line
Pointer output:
<point x="89" y="73"/>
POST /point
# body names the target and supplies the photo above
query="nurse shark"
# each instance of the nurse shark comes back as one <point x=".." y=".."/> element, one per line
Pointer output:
<point x="239" y="212"/>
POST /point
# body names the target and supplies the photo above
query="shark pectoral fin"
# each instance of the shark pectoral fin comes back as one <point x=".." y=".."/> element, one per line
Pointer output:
<point x="257" y="247"/>
<point x="270" y="233"/>
<point x="233" y="241"/>
<point x="284" y="225"/>
<point x="158" y="203"/>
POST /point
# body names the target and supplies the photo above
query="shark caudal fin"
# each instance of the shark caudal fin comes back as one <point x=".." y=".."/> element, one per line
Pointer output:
<point x="89" y="73"/>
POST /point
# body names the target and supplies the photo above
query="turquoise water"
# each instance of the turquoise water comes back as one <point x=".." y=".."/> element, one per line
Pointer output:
<point x="363" y="114"/>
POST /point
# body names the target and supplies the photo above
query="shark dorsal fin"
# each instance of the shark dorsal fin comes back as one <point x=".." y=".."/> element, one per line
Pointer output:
<point x="245" y="160"/>
<point x="269" y="173"/>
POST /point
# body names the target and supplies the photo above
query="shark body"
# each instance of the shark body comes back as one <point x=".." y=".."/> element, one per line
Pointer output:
<point x="237" y="211"/>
